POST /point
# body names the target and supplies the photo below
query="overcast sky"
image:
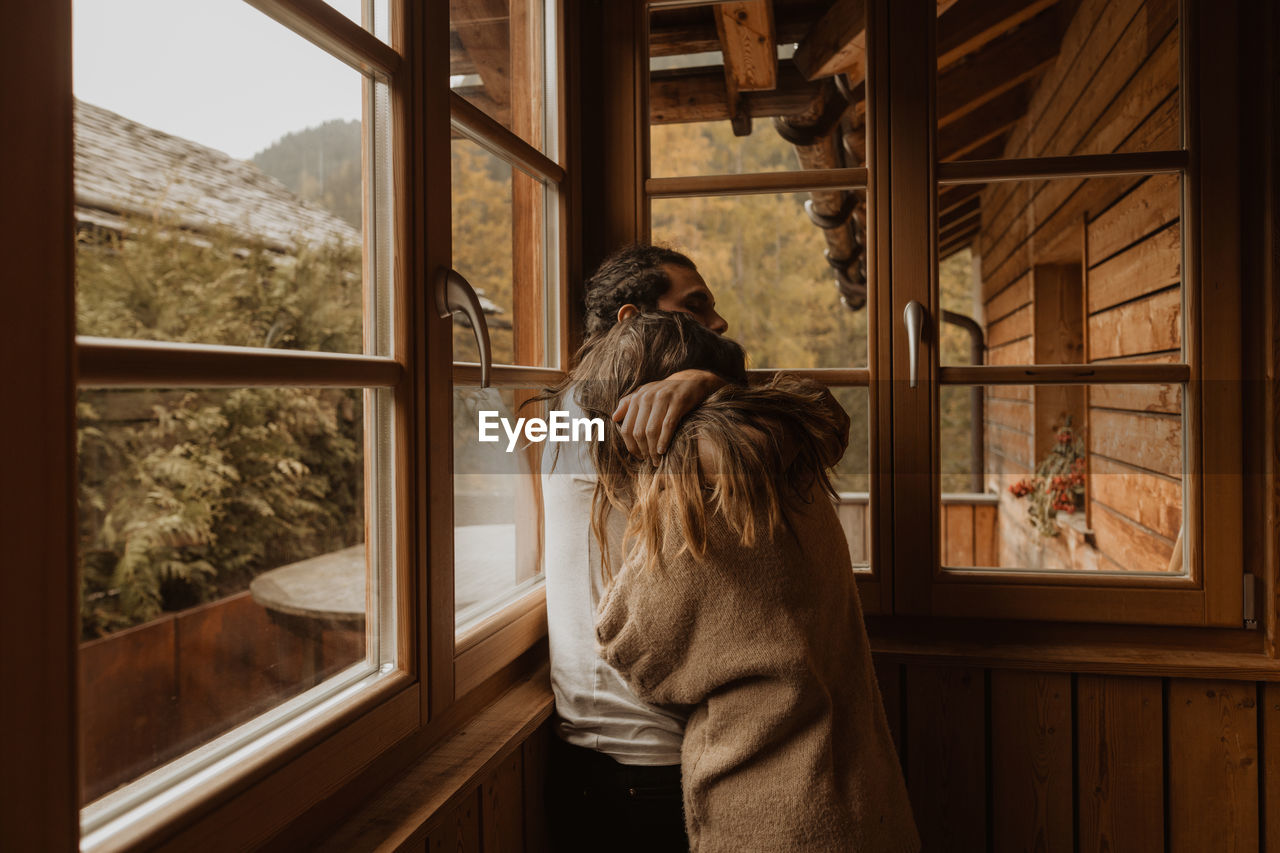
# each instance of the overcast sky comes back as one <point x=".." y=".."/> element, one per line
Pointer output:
<point x="218" y="72"/>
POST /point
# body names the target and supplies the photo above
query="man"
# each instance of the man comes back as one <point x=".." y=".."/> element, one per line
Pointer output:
<point x="615" y="764"/>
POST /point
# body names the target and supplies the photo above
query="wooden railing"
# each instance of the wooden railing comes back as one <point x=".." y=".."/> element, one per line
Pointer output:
<point x="153" y="692"/>
<point x="970" y="533"/>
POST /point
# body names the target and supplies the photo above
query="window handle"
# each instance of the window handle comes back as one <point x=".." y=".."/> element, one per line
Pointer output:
<point x="454" y="293"/>
<point x="913" y="317"/>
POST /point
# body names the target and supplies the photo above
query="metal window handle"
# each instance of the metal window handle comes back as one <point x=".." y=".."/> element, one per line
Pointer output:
<point x="913" y="317"/>
<point x="454" y="293"/>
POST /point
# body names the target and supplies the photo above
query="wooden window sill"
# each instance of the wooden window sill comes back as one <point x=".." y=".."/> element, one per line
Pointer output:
<point x="404" y="811"/>
<point x="1062" y="647"/>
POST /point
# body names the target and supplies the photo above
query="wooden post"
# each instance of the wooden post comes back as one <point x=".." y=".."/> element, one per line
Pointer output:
<point x="38" y="796"/>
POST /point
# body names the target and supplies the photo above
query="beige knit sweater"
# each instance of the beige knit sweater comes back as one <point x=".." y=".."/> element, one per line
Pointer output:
<point x="787" y="747"/>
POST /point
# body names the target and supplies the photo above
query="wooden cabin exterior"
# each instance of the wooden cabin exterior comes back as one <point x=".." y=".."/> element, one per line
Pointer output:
<point x="1079" y="198"/>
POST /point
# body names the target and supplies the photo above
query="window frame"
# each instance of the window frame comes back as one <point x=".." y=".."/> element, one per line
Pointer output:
<point x="1212" y="591"/>
<point x="514" y="627"/>
<point x="384" y="706"/>
<point x="907" y="577"/>
<point x="407" y="709"/>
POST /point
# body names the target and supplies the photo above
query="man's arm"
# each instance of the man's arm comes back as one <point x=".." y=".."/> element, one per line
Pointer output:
<point x="648" y="416"/>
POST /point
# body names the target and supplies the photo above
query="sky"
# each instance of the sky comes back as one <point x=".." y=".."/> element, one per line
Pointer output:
<point x="217" y="72"/>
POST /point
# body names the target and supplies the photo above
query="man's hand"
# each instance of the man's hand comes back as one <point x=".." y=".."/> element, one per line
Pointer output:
<point x="648" y="416"/>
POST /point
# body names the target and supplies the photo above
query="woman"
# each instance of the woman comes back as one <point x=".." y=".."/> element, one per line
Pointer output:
<point x="737" y="598"/>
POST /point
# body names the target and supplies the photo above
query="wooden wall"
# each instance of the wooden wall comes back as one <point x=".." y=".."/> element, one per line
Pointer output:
<point x="1089" y="270"/>
<point x="503" y="814"/>
<point x="998" y="760"/>
<point x="1001" y="759"/>
<point x="1133" y="294"/>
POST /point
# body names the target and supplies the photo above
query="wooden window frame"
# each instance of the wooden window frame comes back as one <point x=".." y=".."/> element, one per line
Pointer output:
<point x="907" y="578"/>
<point x="1211" y="592"/>
<point x="501" y="636"/>
<point x="378" y="730"/>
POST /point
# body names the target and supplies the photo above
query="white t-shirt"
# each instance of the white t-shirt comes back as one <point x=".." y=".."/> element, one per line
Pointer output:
<point x="598" y="710"/>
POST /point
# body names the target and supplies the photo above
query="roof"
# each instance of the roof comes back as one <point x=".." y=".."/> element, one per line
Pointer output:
<point x="124" y="169"/>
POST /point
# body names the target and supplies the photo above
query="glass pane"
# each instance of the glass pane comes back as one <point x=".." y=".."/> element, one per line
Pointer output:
<point x="852" y="476"/>
<point x="728" y="91"/>
<point x="499" y="245"/>
<point x="1068" y="271"/>
<point x="218" y="201"/>
<point x="767" y="263"/>
<point x="1036" y="79"/>
<point x="354" y="9"/>
<point x="496" y="61"/>
<point x="1078" y="478"/>
<point x="497" y="510"/>
<point x="223" y="564"/>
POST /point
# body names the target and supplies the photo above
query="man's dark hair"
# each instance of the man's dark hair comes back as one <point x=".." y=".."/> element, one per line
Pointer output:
<point x="633" y="274"/>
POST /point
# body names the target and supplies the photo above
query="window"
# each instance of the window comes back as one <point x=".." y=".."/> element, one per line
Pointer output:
<point x="506" y="208"/>
<point x="1034" y="181"/>
<point x="258" y="220"/>
<point x="237" y="420"/>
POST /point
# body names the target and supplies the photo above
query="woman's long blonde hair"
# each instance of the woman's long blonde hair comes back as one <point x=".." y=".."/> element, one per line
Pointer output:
<point x="770" y="443"/>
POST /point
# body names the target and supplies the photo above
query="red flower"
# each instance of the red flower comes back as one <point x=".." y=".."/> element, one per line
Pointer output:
<point x="1064" y="437"/>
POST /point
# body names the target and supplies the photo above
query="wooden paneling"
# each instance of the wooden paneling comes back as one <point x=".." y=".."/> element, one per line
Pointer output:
<point x="1146" y="441"/>
<point x="1132" y="547"/>
<point x="1152" y="500"/>
<point x="996" y="759"/>
<point x="1031" y="740"/>
<point x="1119" y="744"/>
<point x="502" y="806"/>
<point x="1269" y="778"/>
<point x="1213" y="766"/>
<point x="957" y="535"/>
<point x="889" y="681"/>
<point x="1148" y="266"/>
<point x="986" y="535"/>
<point x="1014" y="327"/>
<point x="1151" y="205"/>
<point x="1151" y="324"/>
<point x="459" y="830"/>
<point x="535" y="752"/>
<point x="1010" y="299"/>
<point x="947" y="756"/>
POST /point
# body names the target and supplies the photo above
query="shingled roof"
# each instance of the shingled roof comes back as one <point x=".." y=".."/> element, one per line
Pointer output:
<point x="124" y="169"/>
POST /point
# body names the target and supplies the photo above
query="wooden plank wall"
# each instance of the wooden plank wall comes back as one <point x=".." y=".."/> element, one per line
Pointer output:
<point x="1013" y="760"/>
<point x="503" y="814"/>
<point x="1133" y="299"/>
<point x="1057" y="761"/>
<point x="1114" y="87"/>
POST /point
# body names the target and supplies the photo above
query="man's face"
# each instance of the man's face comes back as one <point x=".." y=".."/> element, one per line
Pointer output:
<point x="690" y="294"/>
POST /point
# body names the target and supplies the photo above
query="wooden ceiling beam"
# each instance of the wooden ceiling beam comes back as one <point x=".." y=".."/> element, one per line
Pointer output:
<point x="837" y="43"/>
<point x="699" y="94"/>
<point x="749" y="45"/>
<point x="1001" y="65"/>
<point x="972" y="24"/>
<point x="484" y="33"/>
<point x="993" y="119"/>
<point x="674" y="35"/>
<point x="750" y="54"/>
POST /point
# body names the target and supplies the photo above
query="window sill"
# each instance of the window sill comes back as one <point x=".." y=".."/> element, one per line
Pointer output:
<point x="1102" y="649"/>
<point x="402" y="813"/>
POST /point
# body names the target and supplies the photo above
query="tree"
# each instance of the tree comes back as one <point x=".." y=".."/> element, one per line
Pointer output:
<point x="186" y="495"/>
